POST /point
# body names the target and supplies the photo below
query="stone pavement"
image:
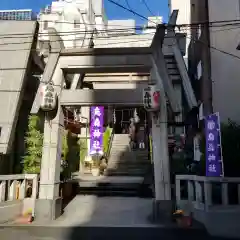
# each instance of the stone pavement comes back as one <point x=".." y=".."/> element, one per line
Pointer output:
<point x="107" y="218"/>
<point x="91" y="210"/>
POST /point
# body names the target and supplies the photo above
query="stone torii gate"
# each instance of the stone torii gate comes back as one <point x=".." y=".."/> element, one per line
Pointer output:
<point x="81" y="61"/>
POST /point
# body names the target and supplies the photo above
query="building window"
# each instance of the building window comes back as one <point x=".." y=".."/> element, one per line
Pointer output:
<point x="45" y="25"/>
<point x="76" y="23"/>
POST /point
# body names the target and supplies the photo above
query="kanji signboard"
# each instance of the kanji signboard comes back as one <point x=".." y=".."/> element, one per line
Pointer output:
<point x="214" y="163"/>
<point x="96" y="130"/>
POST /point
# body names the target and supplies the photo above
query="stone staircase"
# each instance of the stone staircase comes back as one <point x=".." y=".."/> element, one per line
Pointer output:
<point x="126" y="162"/>
<point x="125" y="173"/>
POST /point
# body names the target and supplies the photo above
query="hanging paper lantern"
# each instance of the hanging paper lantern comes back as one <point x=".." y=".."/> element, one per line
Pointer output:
<point x="151" y="98"/>
<point x="48" y="97"/>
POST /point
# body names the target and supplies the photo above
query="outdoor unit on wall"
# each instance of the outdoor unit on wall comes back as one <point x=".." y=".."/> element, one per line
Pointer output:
<point x="151" y="98"/>
<point x="48" y="97"/>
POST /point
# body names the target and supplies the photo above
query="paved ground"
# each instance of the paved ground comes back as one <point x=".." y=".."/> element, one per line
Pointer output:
<point x="106" y="211"/>
<point x="103" y="218"/>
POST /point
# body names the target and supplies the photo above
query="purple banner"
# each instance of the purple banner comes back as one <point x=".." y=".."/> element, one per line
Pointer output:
<point x="96" y="130"/>
<point x="214" y="163"/>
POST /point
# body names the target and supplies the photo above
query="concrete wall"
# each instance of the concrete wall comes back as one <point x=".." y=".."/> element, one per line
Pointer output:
<point x="14" y="65"/>
<point x="225" y="68"/>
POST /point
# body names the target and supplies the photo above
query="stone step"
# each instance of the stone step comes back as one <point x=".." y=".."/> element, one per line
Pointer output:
<point x="127" y="157"/>
<point x="120" y="143"/>
<point x="121" y="148"/>
<point x="136" y="153"/>
<point x="130" y="164"/>
<point x="121" y="140"/>
<point x="132" y="173"/>
<point x="142" y="172"/>
<point x="124" y="228"/>
<point x="117" y="136"/>
<point x="128" y="153"/>
<point x="129" y="160"/>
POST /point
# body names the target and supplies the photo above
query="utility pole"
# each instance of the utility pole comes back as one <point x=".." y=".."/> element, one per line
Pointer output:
<point x="206" y="85"/>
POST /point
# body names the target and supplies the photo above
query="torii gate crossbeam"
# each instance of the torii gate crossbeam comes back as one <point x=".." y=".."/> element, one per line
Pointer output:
<point x="107" y="60"/>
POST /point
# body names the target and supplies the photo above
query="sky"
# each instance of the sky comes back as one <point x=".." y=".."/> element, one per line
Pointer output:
<point x="156" y="7"/>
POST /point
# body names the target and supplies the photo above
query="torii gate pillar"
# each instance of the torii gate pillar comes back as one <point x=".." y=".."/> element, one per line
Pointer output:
<point x="162" y="206"/>
<point x="49" y="203"/>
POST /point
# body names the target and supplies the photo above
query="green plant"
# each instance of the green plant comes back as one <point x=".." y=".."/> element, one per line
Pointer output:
<point x="231" y="148"/>
<point x="65" y="148"/>
<point x="83" y="149"/>
<point x="106" y="138"/>
<point x="34" y="141"/>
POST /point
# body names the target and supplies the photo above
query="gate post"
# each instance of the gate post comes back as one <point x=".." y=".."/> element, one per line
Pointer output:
<point x="162" y="206"/>
<point x="49" y="204"/>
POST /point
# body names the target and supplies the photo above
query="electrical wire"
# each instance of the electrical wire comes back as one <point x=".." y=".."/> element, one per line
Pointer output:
<point x="22" y="35"/>
<point x="182" y="26"/>
<point x="99" y="38"/>
<point x="148" y="39"/>
<point x="130" y="10"/>
<point x="129" y="6"/>
<point x="222" y="51"/>
<point x="145" y="4"/>
<point x="232" y="21"/>
<point x="177" y="25"/>
<point x="89" y="38"/>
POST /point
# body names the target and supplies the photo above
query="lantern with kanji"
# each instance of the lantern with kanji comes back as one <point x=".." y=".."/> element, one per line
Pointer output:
<point x="151" y="98"/>
<point x="48" y="97"/>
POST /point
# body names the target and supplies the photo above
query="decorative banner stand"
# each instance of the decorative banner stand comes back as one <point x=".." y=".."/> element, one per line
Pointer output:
<point x="214" y="160"/>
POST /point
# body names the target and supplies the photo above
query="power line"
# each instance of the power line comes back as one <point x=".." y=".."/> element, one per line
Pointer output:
<point x="145" y="4"/>
<point x="129" y="6"/>
<point x="177" y="25"/>
<point x="69" y="32"/>
<point x="222" y="51"/>
<point x="182" y="26"/>
<point x="130" y="10"/>
<point x="89" y="38"/>
<point x="99" y="38"/>
<point x="107" y="44"/>
<point x="133" y="12"/>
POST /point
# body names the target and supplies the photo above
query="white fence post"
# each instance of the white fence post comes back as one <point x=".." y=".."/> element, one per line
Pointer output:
<point x="2" y="191"/>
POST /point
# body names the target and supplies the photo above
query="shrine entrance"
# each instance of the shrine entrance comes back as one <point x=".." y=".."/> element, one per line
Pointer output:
<point x="122" y="117"/>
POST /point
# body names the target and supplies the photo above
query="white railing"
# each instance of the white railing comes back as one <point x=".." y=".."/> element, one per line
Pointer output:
<point x="18" y="194"/>
<point x="14" y="187"/>
<point x="200" y="190"/>
<point x="213" y="201"/>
